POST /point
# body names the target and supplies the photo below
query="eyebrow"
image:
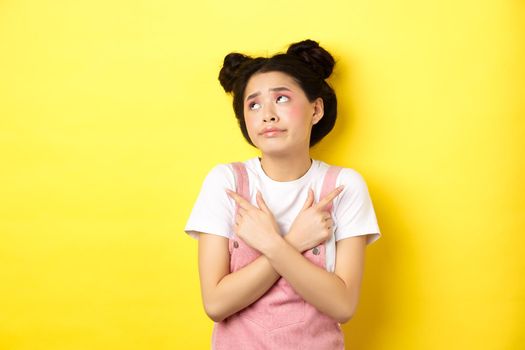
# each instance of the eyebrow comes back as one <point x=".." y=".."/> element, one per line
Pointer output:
<point x="273" y="89"/>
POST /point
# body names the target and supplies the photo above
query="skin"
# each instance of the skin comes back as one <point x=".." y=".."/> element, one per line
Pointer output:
<point x="285" y="156"/>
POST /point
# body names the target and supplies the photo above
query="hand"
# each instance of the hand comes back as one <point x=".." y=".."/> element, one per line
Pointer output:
<point x="257" y="227"/>
<point x="313" y="224"/>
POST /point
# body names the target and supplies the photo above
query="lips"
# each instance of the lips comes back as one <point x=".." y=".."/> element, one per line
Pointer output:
<point x="271" y="131"/>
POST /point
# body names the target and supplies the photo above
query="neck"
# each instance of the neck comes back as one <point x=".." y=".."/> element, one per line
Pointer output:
<point x="286" y="168"/>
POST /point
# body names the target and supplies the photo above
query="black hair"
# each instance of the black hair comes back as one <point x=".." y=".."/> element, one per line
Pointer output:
<point x="305" y="61"/>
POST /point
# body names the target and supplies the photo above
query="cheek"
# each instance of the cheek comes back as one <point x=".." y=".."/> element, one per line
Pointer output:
<point x="298" y="115"/>
<point x="247" y="120"/>
<point x="250" y="124"/>
<point x="296" y="112"/>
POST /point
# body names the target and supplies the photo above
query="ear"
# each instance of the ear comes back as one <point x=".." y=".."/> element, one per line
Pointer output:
<point x="318" y="106"/>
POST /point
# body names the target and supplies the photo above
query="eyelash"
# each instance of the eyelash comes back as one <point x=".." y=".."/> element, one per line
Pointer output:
<point x="284" y="97"/>
<point x="250" y="106"/>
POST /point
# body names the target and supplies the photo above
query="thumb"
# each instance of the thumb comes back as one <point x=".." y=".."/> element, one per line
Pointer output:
<point x="260" y="202"/>
<point x="309" y="200"/>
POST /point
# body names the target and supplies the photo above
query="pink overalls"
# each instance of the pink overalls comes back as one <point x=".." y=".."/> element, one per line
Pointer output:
<point x="280" y="319"/>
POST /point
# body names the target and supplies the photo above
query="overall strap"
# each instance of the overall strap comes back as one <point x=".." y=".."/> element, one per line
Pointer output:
<point x="329" y="183"/>
<point x="242" y="184"/>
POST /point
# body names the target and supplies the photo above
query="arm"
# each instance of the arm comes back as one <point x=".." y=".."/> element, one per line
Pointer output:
<point x="335" y="294"/>
<point x="224" y="293"/>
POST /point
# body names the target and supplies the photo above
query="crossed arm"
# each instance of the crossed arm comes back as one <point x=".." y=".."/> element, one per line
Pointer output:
<point x="333" y="293"/>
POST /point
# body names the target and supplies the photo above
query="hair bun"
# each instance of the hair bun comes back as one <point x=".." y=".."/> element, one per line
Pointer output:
<point x="314" y="55"/>
<point x="230" y="69"/>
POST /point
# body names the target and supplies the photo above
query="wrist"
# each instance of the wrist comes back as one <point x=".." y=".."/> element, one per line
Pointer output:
<point x="291" y="238"/>
<point x="274" y="244"/>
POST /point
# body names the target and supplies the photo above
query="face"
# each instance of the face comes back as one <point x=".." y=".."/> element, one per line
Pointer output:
<point x="278" y="115"/>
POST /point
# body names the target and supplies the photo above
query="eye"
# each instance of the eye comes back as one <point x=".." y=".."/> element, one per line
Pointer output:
<point x="282" y="98"/>
<point x="254" y="106"/>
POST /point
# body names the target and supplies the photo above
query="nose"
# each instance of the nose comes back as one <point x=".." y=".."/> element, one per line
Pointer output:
<point x="270" y="115"/>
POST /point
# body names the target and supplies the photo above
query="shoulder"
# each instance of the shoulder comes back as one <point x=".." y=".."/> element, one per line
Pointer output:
<point x="223" y="174"/>
<point x="355" y="186"/>
<point x="351" y="177"/>
<point x="220" y="174"/>
<point x="346" y="176"/>
<point x="252" y="165"/>
<point x="355" y="192"/>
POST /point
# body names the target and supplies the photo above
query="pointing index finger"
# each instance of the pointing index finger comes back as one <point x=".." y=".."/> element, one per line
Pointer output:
<point x="243" y="203"/>
<point x="329" y="197"/>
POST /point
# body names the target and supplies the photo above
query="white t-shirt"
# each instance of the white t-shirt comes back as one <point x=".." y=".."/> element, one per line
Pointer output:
<point x="353" y="213"/>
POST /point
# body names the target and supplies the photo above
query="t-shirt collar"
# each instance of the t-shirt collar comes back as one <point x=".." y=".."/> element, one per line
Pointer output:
<point x="298" y="181"/>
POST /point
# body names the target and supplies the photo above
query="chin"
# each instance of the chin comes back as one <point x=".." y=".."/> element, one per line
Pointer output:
<point x="273" y="150"/>
<point x="277" y="151"/>
<point x="280" y="147"/>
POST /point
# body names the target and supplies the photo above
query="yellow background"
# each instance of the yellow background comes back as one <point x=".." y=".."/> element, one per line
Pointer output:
<point x="111" y="115"/>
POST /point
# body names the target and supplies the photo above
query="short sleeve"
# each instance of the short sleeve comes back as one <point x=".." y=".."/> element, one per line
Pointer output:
<point x="213" y="210"/>
<point x="353" y="211"/>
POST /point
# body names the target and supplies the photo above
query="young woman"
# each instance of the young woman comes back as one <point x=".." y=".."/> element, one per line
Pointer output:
<point x="282" y="236"/>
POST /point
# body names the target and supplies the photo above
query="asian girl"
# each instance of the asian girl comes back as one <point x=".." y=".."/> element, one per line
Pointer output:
<point x="281" y="265"/>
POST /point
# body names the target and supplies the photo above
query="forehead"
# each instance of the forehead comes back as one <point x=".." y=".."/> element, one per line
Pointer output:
<point x="260" y="82"/>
